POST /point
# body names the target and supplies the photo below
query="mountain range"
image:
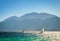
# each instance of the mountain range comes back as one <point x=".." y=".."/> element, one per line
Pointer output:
<point x="31" y="21"/>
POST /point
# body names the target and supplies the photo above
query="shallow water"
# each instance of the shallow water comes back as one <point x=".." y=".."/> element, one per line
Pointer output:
<point x="24" y="37"/>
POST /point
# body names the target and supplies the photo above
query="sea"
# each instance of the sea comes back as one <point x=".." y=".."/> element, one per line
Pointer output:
<point x="20" y="36"/>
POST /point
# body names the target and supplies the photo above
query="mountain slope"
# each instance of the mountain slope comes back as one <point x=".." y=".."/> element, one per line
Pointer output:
<point x="31" y="21"/>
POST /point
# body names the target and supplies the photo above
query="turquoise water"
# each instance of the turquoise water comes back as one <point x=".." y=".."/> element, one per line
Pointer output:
<point x="25" y="38"/>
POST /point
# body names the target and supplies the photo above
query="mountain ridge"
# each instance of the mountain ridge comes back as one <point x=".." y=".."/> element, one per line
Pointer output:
<point x="31" y="21"/>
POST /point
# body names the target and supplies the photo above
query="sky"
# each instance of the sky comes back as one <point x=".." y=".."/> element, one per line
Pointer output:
<point x="18" y="8"/>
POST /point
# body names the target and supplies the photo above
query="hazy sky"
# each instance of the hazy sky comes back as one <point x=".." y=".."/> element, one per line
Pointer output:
<point x="20" y="7"/>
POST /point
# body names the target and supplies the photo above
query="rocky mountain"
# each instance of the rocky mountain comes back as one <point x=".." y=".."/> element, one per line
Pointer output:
<point x="31" y="21"/>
